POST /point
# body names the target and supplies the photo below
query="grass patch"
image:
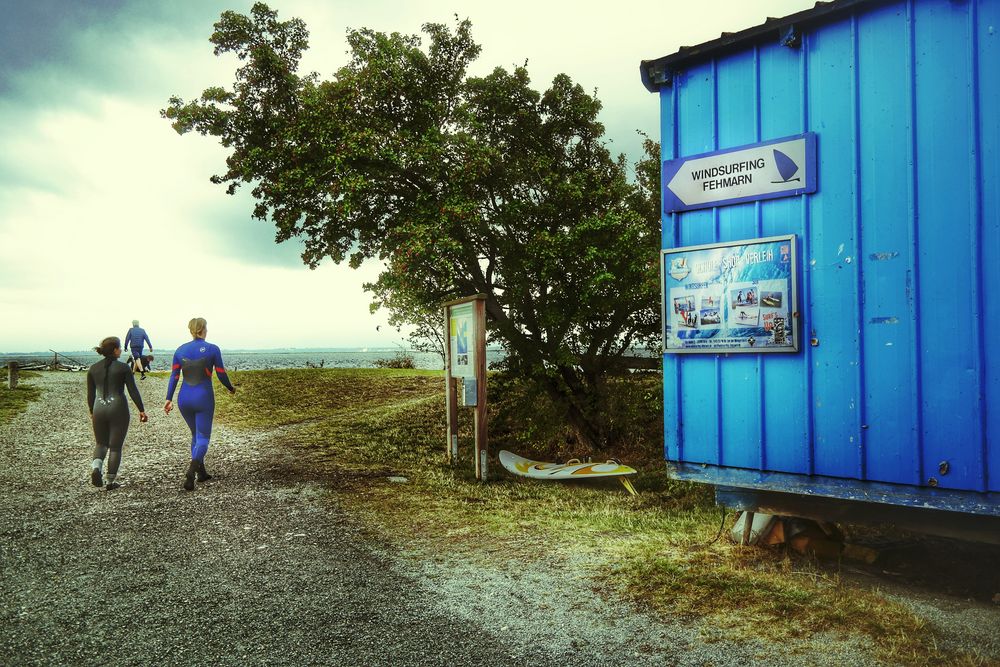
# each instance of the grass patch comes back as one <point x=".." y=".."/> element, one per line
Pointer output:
<point x="266" y="399"/>
<point x="656" y="549"/>
<point x="12" y="403"/>
<point x="753" y="592"/>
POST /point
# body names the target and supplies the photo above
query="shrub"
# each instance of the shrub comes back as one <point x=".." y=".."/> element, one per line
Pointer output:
<point x="401" y="359"/>
<point x="525" y="419"/>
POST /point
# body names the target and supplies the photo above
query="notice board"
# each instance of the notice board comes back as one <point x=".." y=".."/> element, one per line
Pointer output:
<point x="461" y="337"/>
<point x="737" y="296"/>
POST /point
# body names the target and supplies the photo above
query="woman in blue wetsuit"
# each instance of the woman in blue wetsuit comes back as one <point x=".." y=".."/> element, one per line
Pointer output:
<point x="194" y="362"/>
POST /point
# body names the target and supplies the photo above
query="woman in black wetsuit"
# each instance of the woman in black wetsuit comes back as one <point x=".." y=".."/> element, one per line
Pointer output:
<point x="106" y="383"/>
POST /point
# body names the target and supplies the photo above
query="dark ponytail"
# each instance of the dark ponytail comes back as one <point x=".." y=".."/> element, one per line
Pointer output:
<point x="108" y="346"/>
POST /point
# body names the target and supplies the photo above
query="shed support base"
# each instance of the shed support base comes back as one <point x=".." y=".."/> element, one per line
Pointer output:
<point x="935" y="522"/>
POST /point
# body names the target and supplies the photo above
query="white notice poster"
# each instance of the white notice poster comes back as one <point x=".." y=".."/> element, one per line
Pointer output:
<point x="462" y="340"/>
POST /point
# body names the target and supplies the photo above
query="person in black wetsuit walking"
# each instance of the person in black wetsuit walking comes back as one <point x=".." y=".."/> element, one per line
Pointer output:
<point x="106" y="383"/>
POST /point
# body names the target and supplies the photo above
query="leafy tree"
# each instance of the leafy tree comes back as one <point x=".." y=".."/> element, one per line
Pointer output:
<point x="460" y="184"/>
<point x="408" y="308"/>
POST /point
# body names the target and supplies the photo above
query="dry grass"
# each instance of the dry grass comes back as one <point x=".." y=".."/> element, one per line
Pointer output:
<point x="14" y="402"/>
<point x="657" y="550"/>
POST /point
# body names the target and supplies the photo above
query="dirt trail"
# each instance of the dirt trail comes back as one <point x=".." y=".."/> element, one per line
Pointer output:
<point x="262" y="566"/>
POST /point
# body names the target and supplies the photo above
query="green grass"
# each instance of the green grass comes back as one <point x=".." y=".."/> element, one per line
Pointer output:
<point x="656" y="550"/>
<point x="12" y="403"/>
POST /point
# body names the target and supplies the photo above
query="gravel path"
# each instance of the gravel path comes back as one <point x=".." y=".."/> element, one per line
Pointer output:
<point x="262" y="566"/>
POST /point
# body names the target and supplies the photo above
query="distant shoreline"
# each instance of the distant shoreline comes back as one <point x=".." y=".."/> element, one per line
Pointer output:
<point x="237" y="350"/>
<point x="243" y="350"/>
<point x="262" y="359"/>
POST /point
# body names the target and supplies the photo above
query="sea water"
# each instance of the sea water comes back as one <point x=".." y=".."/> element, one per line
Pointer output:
<point x="243" y="360"/>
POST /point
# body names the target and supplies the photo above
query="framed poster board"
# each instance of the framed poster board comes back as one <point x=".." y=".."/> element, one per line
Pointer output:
<point x="465" y="358"/>
<point x="733" y="297"/>
<point x="462" y="338"/>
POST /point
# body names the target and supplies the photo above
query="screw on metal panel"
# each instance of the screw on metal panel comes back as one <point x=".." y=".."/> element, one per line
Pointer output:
<point x="932" y="481"/>
<point x="943" y="467"/>
<point x="864" y="426"/>
<point x="814" y="342"/>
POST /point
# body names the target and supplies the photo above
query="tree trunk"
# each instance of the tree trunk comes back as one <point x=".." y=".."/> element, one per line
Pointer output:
<point x="583" y="407"/>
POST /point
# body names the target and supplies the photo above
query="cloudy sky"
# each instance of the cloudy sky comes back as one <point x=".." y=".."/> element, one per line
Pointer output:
<point x="107" y="215"/>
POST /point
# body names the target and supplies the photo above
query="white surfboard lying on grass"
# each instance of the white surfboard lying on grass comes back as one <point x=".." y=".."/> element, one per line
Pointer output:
<point x="573" y="469"/>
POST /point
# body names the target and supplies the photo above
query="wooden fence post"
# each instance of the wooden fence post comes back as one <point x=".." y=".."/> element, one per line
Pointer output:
<point x="12" y="374"/>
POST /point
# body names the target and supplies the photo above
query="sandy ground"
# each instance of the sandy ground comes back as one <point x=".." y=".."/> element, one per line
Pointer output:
<point x="262" y="565"/>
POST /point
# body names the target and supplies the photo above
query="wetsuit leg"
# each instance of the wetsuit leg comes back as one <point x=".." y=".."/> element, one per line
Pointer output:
<point x="114" y="460"/>
<point x="189" y="413"/>
<point x="200" y="423"/>
<point x="104" y="424"/>
<point x="102" y="434"/>
<point x="110" y="425"/>
<point x="118" y="431"/>
<point x="198" y="408"/>
<point x="100" y="451"/>
<point x="203" y="433"/>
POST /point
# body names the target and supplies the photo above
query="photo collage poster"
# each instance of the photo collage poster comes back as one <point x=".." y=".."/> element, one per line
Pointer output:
<point x="730" y="297"/>
<point x="462" y="340"/>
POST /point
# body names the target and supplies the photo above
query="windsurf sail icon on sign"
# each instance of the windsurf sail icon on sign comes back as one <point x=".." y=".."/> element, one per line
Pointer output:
<point x="786" y="167"/>
<point x="679" y="269"/>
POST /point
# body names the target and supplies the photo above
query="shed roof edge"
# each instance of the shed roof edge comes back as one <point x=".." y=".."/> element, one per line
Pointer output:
<point x="771" y="29"/>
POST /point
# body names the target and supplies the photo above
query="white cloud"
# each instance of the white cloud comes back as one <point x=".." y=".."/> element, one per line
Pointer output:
<point x="130" y="233"/>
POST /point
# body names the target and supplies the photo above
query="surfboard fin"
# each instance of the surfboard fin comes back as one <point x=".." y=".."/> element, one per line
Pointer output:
<point x="628" y="486"/>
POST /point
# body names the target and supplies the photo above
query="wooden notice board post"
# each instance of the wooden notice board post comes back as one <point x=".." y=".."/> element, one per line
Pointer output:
<point x="465" y="358"/>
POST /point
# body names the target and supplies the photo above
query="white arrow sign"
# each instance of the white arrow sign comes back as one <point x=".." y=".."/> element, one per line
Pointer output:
<point x="778" y="168"/>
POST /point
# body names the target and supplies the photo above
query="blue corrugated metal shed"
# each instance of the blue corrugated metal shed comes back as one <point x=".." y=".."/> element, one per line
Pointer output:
<point x="899" y="289"/>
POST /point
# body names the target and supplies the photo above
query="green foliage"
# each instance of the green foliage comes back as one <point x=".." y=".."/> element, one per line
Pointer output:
<point x="13" y="402"/>
<point x="461" y="185"/>
<point x="524" y="421"/>
<point x="408" y="308"/>
<point x="401" y="359"/>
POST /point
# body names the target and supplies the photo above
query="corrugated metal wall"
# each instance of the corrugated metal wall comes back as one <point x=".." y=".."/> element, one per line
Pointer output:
<point x="900" y="247"/>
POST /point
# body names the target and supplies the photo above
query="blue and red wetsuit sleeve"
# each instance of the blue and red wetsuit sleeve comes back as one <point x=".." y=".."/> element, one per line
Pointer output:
<point x="220" y="370"/>
<point x="175" y="375"/>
